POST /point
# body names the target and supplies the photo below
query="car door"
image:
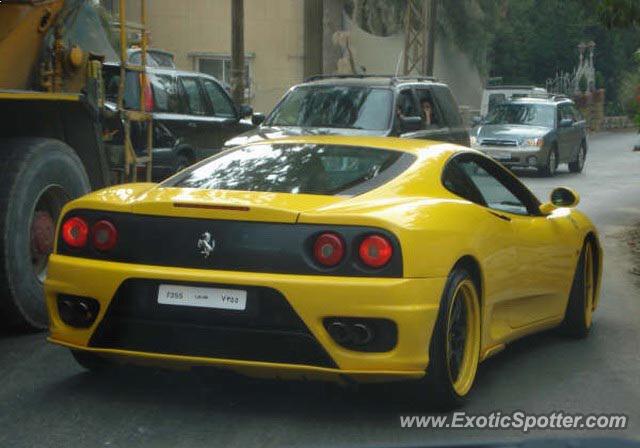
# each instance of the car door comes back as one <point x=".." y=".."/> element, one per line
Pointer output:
<point x="225" y="122"/>
<point x="567" y="136"/>
<point x="542" y="258"/>
<point x="196" y="122"/>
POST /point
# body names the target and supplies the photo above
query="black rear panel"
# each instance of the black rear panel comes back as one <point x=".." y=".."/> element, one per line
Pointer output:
<point x="267" y="330"/>
<point x="239" y="245"/>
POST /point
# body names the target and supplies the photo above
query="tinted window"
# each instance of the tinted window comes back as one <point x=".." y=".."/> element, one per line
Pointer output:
<point x="111" y="77"/>
<point x="295" y="168"/>
<point x="448" y="105"/>
<point x="165" y="94"/>
<point x="526" y="114"/>
<point x="407" y="105"/>
<point x="194" y="98"/>
<point x="566" y="112"/>
<point x="221" y="103"/>
<point x="334" y="107"/>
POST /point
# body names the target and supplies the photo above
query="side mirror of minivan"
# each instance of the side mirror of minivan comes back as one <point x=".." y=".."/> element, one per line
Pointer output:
<point x="410" y="124"/>
<point x="566" y="123"/>
<point x="560" y="197"/>
<point x="257" y="119"/>
<point x="245" y="110"/>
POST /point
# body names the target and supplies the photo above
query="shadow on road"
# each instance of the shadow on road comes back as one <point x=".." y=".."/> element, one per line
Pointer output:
<point x="213" y="391"/>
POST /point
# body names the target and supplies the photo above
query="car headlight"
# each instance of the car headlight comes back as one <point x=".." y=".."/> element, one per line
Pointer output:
<point x="473" y="140"/>
<point x="538" y="141"/>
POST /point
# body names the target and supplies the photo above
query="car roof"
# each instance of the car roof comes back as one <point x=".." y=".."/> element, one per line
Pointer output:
<point x="168" y="71"/>
<point x="408" y="145"/>
<point x="369" y="80"/>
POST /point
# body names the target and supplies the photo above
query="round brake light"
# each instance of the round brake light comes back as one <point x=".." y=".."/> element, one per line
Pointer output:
<point x="328" y="249"/>
<point x="105" y="235"/>
<point x="375" y="251"/>
<point x="75" y="232"/>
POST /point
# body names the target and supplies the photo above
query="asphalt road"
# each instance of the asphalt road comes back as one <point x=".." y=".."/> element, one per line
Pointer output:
<point x="47" y="400"/>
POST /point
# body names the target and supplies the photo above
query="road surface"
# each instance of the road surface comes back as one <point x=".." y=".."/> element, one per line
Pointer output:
<point x="47" y="400"/>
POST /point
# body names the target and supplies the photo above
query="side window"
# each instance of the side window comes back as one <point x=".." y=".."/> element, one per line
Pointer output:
<point x="195" y="101"/>
<point x="222" y="105"/>
<point x="490" y="186"/>
<point x="576" y="113"/>
<point x="448" y="107"/>
<point x="495" y="99"/>
<point x="429" y="111"/>
<point x="165" y="94"/>
<point x="566" y="111"/>
<point x="406" y="105"/>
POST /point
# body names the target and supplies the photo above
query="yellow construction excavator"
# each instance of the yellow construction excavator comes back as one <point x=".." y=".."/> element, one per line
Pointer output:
<point x="52" y="146"/>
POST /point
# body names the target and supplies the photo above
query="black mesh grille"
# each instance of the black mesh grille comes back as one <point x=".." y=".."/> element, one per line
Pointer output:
<point x="267" y="330"/>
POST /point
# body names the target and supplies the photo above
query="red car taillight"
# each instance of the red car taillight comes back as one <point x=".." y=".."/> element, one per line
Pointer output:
<point x="75" y="232"/>
<point x="104" y="235"/>
<point x="328" y="249"/>
<point x="375" y="251"/>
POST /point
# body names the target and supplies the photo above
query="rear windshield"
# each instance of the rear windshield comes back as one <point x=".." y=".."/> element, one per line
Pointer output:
<point x="296" y="168"/>
<point x="346" y="107"/>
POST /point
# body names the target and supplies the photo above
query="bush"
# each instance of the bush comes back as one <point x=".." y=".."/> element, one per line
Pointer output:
<point x="583" y="84"/>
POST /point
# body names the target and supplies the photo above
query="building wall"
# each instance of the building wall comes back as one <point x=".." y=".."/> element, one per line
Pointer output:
<point x="273" y="39"/>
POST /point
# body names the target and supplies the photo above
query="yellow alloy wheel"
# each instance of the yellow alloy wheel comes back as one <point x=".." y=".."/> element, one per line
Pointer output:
<point x="589" y="290"/>
<point x="463" y="337"/>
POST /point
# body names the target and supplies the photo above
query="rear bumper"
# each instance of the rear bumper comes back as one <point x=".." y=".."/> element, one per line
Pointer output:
<point x="411" y="303"/>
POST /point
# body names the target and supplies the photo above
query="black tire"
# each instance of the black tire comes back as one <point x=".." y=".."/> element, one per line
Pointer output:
<point x="550" y="167"/>
<point x="577" y="165"/>
<point x="437" y="385"/>
<point x="91" y="361"/>
<point x="577" y="321"/>
<point x="38" y="172"/>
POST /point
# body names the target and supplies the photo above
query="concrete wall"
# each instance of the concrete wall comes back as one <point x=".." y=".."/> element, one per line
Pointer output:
<point x="273" y="39"/>
<point x="383" y="54"/>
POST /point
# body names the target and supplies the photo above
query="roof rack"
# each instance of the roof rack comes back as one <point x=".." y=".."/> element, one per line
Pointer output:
<point x="393" y="79"/>
<point x="546" y="96"/>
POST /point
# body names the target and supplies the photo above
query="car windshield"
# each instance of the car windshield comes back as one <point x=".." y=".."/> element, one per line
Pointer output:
<point x="295" y="168"/>
<point x="334" y="107"/>
<point x="526" y="114"/>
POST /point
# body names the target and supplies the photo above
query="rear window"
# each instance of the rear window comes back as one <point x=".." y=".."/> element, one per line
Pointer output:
<point x="296" y="168"/>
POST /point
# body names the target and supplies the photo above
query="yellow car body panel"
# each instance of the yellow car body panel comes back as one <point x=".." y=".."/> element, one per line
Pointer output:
<point x="526" y="264"/>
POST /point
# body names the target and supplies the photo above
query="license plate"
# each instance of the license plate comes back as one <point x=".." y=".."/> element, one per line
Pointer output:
<point x="224" y="299"/>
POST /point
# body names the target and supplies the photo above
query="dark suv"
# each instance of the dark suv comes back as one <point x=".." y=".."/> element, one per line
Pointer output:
<point x="192" y="116"/>
<point x="535" y="132"/>
<point x="411" y="107"/>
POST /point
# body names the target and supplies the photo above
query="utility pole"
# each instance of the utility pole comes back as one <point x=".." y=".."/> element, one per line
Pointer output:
<point x="420" y="36"/>
<point x="237" y="51"/>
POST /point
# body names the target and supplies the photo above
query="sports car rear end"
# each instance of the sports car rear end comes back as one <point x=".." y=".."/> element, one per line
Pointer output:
<point x="254" y="263"/>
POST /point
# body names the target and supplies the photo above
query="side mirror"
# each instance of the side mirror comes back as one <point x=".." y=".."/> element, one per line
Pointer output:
<point x="566" y="123"/>
<point x="560" y="197"/>
<point x="475" y="121"/>
<point x="245" y="110"/>
<point x="257" y="118"/>
<point x="410" y="124"/>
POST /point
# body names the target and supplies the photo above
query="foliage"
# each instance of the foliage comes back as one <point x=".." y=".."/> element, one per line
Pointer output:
<point x="538" y="38"/>
<point x="582" y="83"/>
<point x="619" y="13"/>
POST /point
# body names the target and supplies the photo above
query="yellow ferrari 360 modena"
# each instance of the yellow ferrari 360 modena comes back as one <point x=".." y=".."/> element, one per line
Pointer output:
<point x="361" y="258"/>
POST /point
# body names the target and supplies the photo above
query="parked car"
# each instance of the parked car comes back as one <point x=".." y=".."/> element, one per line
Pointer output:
<point x="411" y="107"/>
<point x="193" y="116"/>
<point x="538" y="133"/>
<point x="495" y="95"/>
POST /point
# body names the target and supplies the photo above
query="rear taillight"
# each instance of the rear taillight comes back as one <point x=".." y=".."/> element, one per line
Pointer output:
<point x="375" y="251"/>
<point x="104" y="235"/>
<point x="147" y="93"/>
<point x="75" y="232"/>
<point x="328" y="249"/>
